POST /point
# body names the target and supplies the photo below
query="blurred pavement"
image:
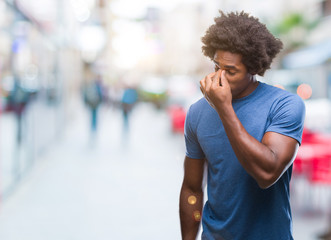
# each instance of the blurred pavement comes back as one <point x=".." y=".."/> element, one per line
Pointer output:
<point x="117" y="186"/>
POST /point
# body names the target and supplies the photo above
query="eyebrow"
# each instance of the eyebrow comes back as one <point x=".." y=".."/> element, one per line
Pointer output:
<point x="226" y="66"/>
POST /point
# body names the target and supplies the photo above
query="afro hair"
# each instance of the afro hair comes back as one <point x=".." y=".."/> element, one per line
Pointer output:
<point x="242" y="34"/>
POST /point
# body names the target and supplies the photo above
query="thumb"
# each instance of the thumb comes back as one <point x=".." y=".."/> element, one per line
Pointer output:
<point x="217" y="78"/>
<point x="223" y="81"/>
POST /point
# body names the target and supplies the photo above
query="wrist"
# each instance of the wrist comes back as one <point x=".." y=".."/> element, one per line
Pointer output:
<point x="224" y="110"/>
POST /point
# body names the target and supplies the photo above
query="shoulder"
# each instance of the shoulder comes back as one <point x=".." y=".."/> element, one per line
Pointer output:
<point x="282" y="104"/>
<point x="287" y="106"/>
<point x="287" y="113"/>
<point x="287" y="99"/>
<point x="197" y="111"/>
<point x="281" y="96"/>
<point x="198" y="107"/>
<point x="276" y="91"/>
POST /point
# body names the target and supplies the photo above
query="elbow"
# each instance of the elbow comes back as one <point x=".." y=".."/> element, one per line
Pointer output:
<point x="267" y="177"/>
<point x="267" y="180"/>
<point x="265" y="184"/>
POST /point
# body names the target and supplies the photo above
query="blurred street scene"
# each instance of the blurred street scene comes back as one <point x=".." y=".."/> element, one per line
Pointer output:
<point x="93" y="98"/>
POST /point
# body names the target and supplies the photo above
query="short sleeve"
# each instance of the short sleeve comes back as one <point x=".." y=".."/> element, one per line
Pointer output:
<point x="287" y="117"/>
<point x="193" y="148"/>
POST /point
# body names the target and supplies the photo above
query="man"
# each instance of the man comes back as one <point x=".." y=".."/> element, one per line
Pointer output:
<point x="246" y="132"/>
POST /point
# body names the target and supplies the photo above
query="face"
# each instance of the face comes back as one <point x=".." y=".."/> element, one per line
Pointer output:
<point x="241" y="82"/>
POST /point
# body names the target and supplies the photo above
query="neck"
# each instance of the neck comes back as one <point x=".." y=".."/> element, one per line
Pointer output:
<point x="252" y="79"/>
<point x="250" y="87"/>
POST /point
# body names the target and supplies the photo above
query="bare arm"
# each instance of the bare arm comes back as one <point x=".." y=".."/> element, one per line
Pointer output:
<point x="191" y="198"/>
<point x="265" y="161"/>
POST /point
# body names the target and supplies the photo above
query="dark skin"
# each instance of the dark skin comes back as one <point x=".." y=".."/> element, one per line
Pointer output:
<point x="192" y="186"/>
<point x="265" y="161"/>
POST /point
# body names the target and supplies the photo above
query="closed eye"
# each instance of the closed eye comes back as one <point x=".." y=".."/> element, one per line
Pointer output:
<point x="227" y="71"/>
<point x="230" y="73"/>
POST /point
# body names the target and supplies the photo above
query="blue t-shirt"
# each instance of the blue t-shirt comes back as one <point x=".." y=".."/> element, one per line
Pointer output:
<point x="237" y="208"/>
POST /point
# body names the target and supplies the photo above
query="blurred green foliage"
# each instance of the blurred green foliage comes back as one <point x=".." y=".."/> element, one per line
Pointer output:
<point x="293" y="20"/>
<point x="158" y="99"/>
<point x="288" y="27"/>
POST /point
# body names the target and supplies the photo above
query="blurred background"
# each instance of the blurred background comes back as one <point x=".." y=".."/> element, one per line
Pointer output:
<point x="93" y="98"/>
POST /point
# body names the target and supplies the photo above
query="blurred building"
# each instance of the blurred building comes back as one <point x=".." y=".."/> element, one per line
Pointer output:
<point x="45" y="46"/>
<point x="309" y="65"/>
<point x="311" y="62"/>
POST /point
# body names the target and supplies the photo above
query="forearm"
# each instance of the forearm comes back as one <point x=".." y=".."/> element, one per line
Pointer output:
<point x="190" y="211"/>
<point x="256" y="158"/>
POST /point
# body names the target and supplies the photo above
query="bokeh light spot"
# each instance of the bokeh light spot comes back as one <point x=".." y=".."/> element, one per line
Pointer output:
<point x="304" y="91"/>
<point x="192" y="200"/>
<point x="197" y="215"/>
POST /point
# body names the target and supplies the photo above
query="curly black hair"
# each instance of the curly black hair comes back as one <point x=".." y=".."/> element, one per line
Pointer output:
<point x="242" y="34"/>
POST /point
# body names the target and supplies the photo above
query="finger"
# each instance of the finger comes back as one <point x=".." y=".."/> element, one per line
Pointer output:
<point x="203" y="84"/>
<point x="202" y="91"/>
<point x="223" y="80"/>
<point x="216" y="78"/>
<point x="211" y="75"/>
<point x="209" y="81"/>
